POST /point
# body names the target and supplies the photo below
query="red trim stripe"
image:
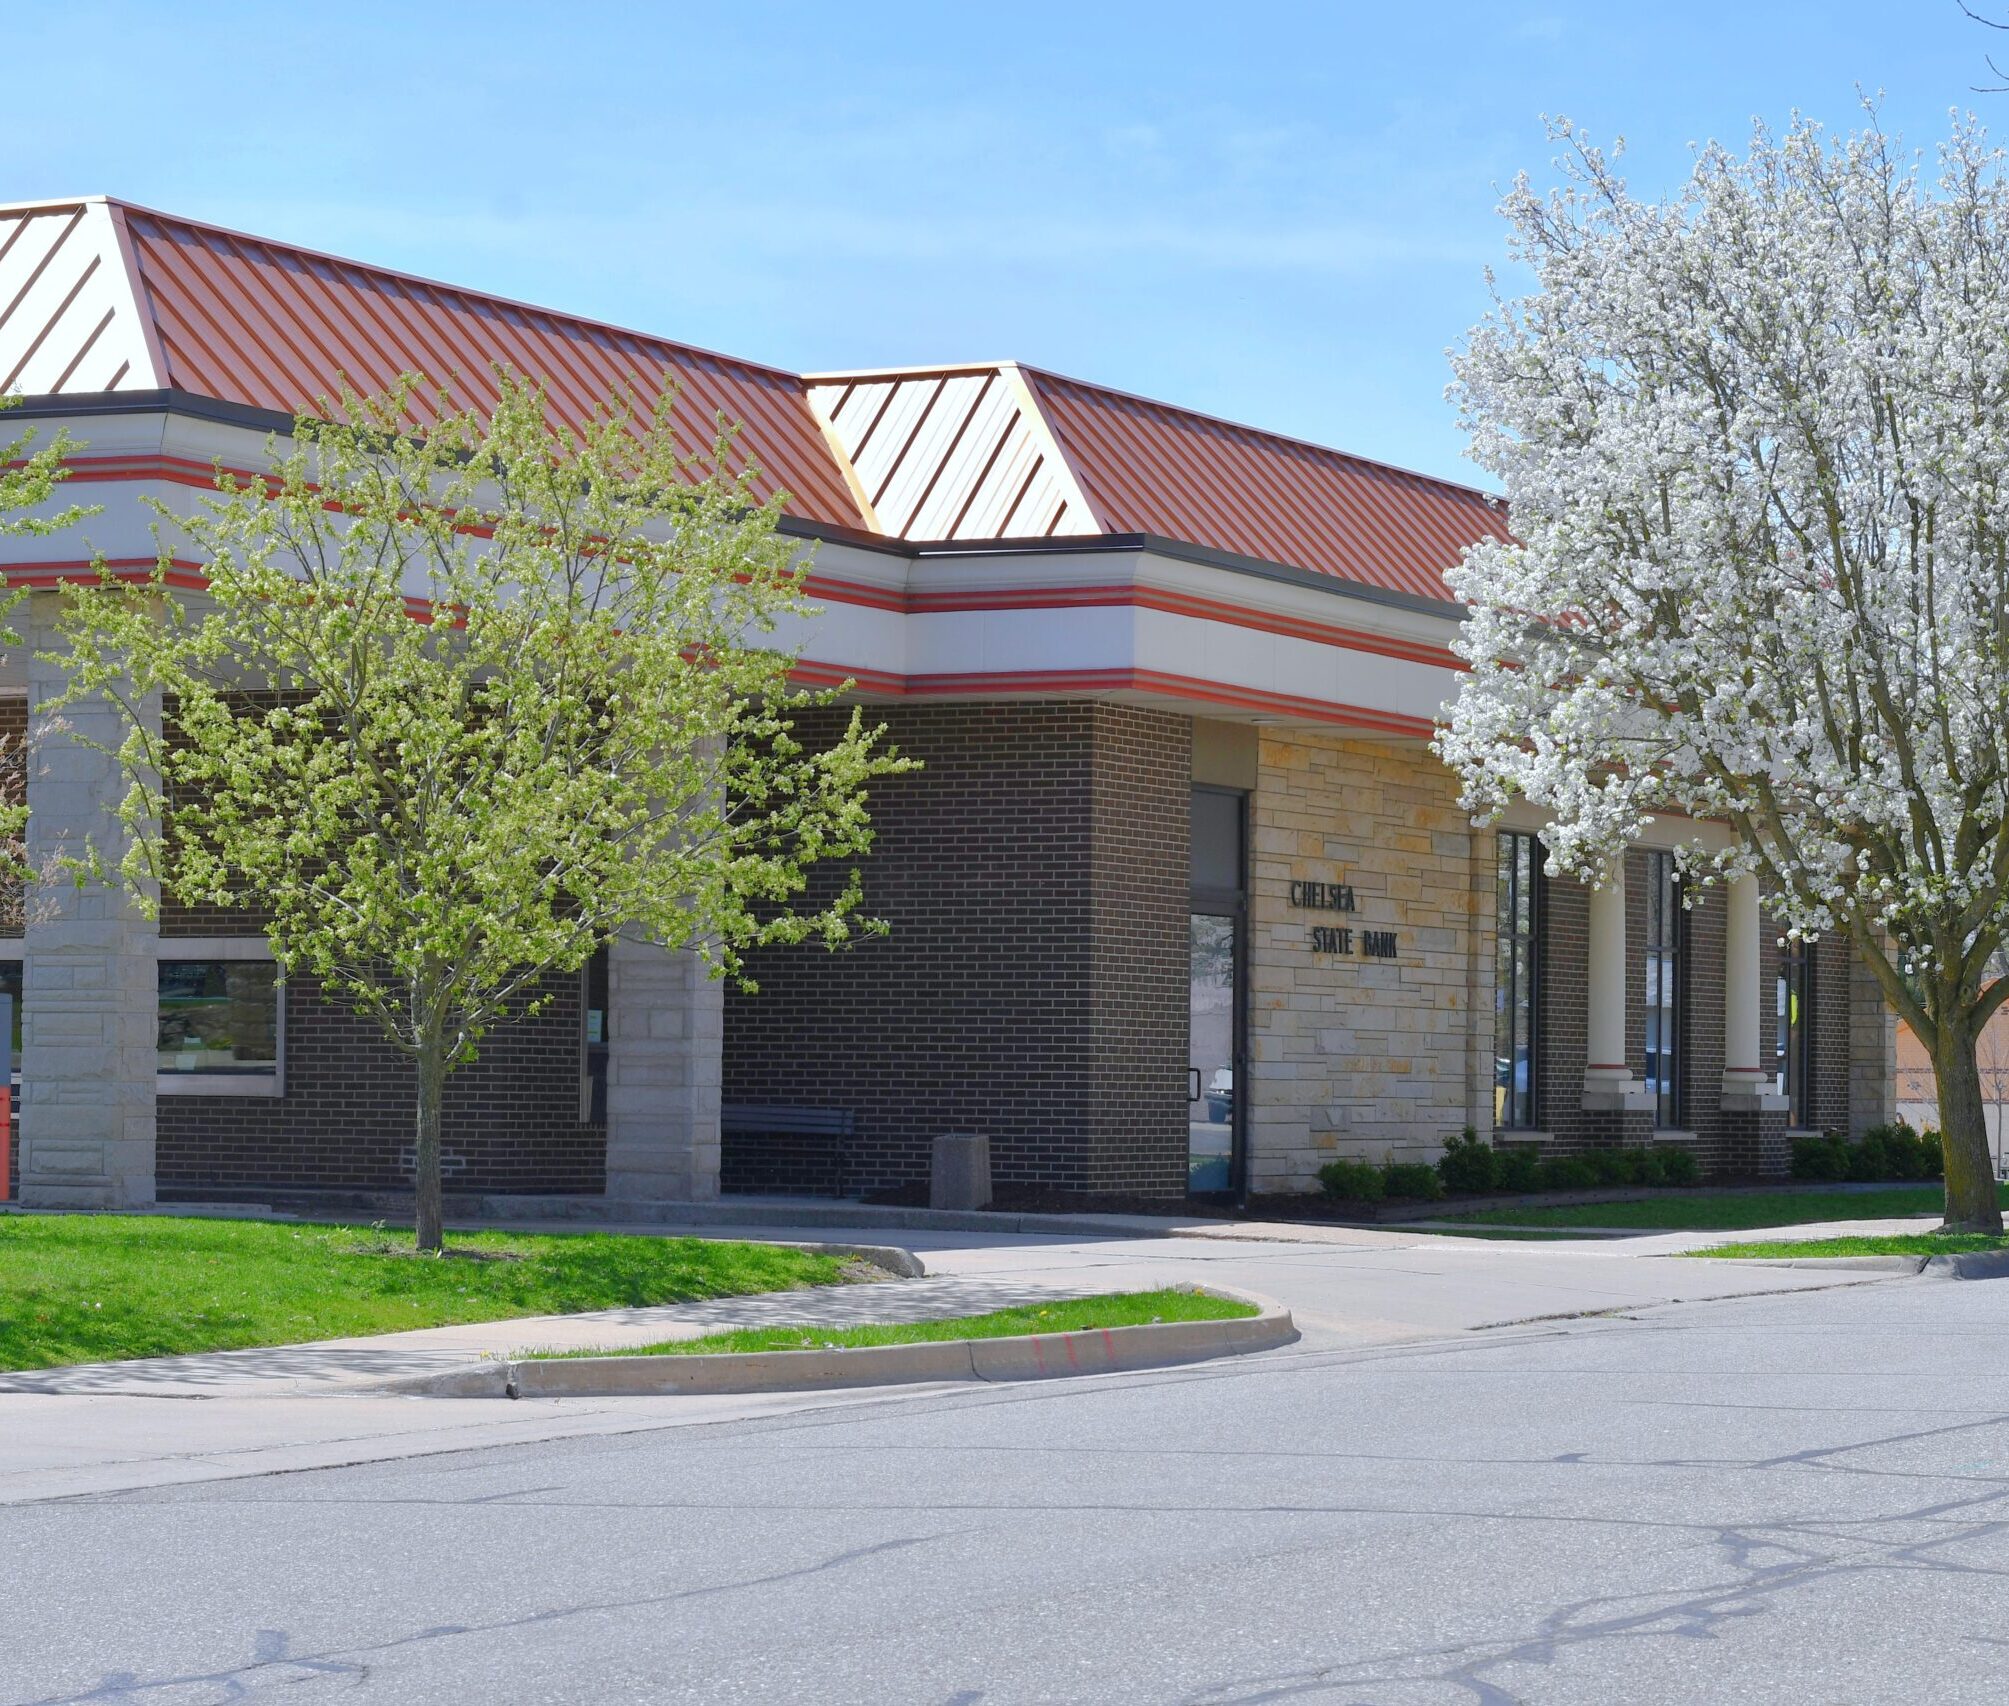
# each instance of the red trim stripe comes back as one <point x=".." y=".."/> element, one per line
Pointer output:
<point x="178" y="470"/>
<point x="989" y="684"/>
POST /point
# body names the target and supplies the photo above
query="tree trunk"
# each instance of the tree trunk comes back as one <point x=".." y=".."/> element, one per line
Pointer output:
<point x="1971" y="1201"/>
<point x="425" y="1172"/>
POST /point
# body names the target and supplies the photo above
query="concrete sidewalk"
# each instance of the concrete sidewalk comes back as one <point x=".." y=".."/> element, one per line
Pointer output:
<point x="358" y="1364"/>
<point x="1350" y="1290"/>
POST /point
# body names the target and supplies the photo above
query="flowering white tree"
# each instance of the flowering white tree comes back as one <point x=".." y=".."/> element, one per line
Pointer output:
<point x="1755" y="439"/>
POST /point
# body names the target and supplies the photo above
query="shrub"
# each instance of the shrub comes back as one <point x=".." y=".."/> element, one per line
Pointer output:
<point x="1605" y="1166"/>
<point x="1566" y="1173"/>
<point x="1903" y="1153"/>
<point x="1630" y="1166"/>
<point x="1469" y="1165"/>
<point x="1678" y="1167"/>
<point x="1351" y="1181"/>
<point x="1516" y="1170"/>
<point x="1653" y="1166"/>
<point x="1417" y="1179"/>
<point x="1869" y="1158"/>
<point x="1820" y="1158"/>
<point x="1892" y="1151"/>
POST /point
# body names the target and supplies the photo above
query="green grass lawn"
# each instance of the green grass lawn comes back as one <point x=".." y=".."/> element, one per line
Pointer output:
<point x="1121" y="1309"/>
<point x="88" y="1288"/>
<point x="1891" y="1244"/>
<point x="1728" y="1211"/>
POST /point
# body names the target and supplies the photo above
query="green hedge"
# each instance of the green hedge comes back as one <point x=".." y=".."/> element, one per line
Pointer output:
<point x="1470" y="1165"/>
<point x="1362" y="1181"/>
<point x="1883" y="1152"/>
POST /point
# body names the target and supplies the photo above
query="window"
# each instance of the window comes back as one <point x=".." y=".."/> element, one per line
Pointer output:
<point x="219" y="1029"/>
<point x="1217" y="841"/>
<point x="10" y="986"/>
<point x="1663" y="987"/>
<point x="1793" y="1031"/>
<point x="1514" y="979"/>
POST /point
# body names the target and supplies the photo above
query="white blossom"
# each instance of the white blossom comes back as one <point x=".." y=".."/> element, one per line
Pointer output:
<point x="1755" y="443"/>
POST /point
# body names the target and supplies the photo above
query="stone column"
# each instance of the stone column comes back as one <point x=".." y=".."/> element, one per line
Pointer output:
<point x="1610" y="1085"/>
<point x="665" y="1040"/>
<point x="90" y="996"/>
<point x="1754" y="1113"/>
<point x="1743" y="1040"/>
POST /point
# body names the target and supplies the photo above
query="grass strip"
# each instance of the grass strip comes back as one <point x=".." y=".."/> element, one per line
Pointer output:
<point x="1072" y="1315"/>
<point x="100" y="1288"/>
<point x="1726" y="1211"/>
<point x="1890" y="1244"/>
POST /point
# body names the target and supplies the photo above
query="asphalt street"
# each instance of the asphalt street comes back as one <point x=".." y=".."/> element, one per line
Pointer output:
<point x="1795" y="1497"/>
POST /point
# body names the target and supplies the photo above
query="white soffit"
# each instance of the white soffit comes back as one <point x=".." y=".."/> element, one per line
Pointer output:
<point x="70" y="318"/>
<point x="952" y="453"/>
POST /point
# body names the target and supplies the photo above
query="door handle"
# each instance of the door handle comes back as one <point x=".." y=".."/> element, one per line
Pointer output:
<point x="1193" y="1089"/>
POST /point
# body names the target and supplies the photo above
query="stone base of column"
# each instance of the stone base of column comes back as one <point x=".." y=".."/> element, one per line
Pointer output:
<point x="1755" y="1144"/>
<point x="1618" y="1107"/>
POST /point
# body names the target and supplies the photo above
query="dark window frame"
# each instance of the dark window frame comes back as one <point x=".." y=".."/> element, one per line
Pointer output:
<point x="1517" y="979"/>
<point x="1664" y="965"/>
<point x="1793" y="1037"/>
<point x="1217" y="901"/>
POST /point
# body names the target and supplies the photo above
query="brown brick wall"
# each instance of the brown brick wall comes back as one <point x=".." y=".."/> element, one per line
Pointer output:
<point x="1141" y="859"/>
<point x="511" y="1122"/>
<point x="1033" y="986"/>
<point x="1562" y="1043"/>
<point x="1704" y="930"/>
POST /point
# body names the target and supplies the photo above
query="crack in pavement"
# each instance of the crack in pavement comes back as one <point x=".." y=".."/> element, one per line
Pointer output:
<point x="1471" y="1667"/>
<point x="270" y="1655"/>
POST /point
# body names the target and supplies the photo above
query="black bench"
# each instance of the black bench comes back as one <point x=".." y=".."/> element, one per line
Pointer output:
<point x="767" y="1148"/>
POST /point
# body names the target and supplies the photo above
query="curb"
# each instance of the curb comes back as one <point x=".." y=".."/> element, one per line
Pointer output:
<point x="1972" y="1265"/>
<point x="1043" y="1356"/>
<point x="1844" y="1264"/>
<point x="741" y="1214"/>
<point x="902" y="1264"/>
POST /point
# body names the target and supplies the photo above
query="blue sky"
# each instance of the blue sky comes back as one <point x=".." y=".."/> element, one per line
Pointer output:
<point x="1279" y="213"/>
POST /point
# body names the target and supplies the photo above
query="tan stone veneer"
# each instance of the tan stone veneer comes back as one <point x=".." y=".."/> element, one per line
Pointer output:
<point x="1351" y="1055"/>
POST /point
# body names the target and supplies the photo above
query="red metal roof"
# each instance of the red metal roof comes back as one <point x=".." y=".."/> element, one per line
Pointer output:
<point x="249" y="321"/>
<point x="1148" y="467"/>
<point x="99" y="296"/>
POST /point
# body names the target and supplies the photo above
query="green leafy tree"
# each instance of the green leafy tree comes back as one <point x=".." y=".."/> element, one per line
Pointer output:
<point x="456" y="707"/>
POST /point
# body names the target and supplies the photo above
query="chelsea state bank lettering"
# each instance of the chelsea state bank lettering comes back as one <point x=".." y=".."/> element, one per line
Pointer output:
<point x="1336" y="938"/>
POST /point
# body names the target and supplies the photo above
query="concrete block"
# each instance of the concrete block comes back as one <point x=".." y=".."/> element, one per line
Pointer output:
<point x="960" y="1171"/>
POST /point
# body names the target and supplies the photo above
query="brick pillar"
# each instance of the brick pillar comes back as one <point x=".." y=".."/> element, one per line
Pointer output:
<point x="1754" y="1114"/>
<point x="1755" y="1145"/>
<point x="1872" y="1047"/>
<point x="90" y="1000"/>
<point x="665" y="1037"/>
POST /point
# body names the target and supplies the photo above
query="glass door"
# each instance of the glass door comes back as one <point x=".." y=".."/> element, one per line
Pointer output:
<point x="1211" y="1051"/>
